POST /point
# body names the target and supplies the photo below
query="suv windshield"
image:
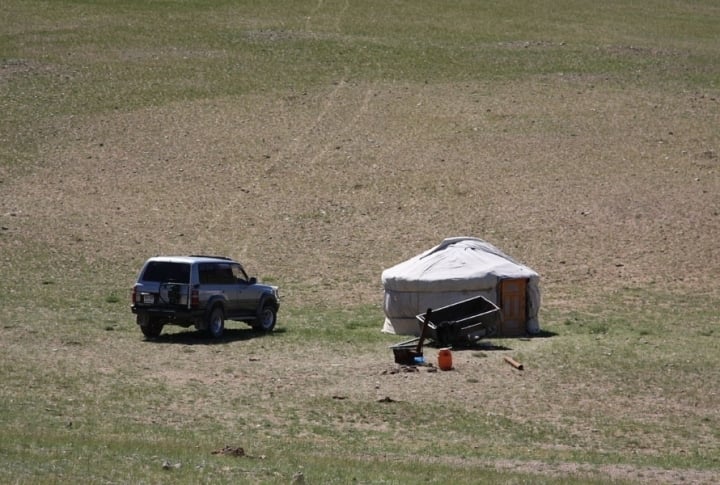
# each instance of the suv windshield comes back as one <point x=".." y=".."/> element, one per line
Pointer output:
<point x="163" y="271"/>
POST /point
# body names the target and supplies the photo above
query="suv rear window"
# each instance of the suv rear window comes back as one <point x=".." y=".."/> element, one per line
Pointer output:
<point x="164" y="271"/>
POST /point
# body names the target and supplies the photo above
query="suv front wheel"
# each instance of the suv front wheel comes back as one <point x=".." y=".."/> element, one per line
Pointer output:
<point x="267" y="316"/>
<point x="216" y="322"/>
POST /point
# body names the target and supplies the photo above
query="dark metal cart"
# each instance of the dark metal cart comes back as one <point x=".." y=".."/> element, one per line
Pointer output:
<point x="461" y="323"/>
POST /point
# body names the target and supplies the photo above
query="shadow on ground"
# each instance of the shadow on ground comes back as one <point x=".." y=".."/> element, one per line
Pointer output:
<point x="195" y="337"/>
<point x="486" y="344"/>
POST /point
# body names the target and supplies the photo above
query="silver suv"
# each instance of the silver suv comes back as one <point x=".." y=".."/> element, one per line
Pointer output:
<point x="201" y="291"/>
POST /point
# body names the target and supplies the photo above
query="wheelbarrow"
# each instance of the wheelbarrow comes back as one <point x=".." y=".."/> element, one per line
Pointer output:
<point x="461" y="323"/>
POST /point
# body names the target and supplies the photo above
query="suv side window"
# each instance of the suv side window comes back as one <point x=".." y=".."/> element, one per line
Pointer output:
<point x="225" y="274"/>
<point x="216" y="274"/>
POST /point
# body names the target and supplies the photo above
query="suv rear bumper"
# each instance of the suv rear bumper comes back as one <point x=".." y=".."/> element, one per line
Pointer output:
<point x="180" y="315"/>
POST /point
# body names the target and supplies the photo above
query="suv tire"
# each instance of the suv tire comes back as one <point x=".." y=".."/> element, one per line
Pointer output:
<point x="267" y="316"/>
<point x="216" y="322"/>
<point x="150" y="327"/>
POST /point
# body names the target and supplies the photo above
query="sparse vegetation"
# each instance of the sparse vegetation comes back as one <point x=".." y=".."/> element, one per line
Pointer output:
<point x="579" y="137"/>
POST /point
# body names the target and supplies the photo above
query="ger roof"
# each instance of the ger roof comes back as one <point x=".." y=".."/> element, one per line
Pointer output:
<point x="458" y="263"/>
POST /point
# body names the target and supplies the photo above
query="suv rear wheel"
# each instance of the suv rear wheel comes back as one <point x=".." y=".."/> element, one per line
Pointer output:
<point x="216" y="322"/>
<point x="150" y="327"/>
<point x="267" y="316"/>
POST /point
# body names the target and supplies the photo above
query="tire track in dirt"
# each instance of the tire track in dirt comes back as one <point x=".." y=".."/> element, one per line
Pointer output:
<point x="318" y="7"/>
<point x="303" y="147"/>
<point x="348" y="127"/>
<point x="301" y="143"/>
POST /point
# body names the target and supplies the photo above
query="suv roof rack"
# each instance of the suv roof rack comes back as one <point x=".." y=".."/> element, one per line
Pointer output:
<point x="209" y="256"/>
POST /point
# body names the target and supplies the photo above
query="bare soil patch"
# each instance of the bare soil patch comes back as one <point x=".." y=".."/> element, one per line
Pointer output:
<point x="595" y="185"/>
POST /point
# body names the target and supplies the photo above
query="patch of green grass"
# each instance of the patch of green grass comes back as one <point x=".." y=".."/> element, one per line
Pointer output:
<point x="92" y="57"/>
<point x="85" y="425"/>
<point x="358" y="325"/>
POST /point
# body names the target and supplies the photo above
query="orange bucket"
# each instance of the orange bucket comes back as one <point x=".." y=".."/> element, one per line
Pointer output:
<point x="445" y="359"/>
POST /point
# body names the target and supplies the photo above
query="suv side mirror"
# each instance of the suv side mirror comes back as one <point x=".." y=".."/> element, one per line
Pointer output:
<point x="252" y="280"/>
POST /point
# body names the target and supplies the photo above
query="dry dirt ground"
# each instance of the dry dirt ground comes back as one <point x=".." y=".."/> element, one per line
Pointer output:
<point x="591" y="186"/>
<point x="595" y="184"/>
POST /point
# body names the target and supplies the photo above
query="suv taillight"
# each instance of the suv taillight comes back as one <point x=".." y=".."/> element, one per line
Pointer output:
<point x="194" y="298"/>
<point x="134" y="295"/>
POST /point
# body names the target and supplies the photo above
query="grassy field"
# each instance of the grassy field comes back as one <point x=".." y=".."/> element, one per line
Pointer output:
<point x="319" y="143"/>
